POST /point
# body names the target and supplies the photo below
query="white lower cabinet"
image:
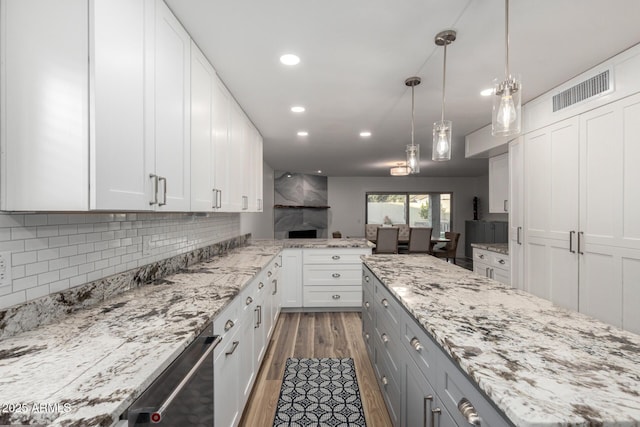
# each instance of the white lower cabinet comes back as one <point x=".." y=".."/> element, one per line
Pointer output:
<point x="291" y="273"/>
<point x="420" y="384"/>
<point x="492" y="265"/>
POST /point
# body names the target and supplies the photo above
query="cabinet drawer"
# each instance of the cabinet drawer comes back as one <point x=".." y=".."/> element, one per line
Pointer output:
<point x="231" y="314"/>
<point x="388" y="308"/>
<point x="420" y="348"/>
<point x="480" y="255"/>
<point x="330" y="275"/>
<point x="500" y="260"/>
<point x="454" y="386"/>
<point x="388" y="343"/>
<point x="330" y="296"/>
<point x="334" y="256"/>
<point x="390" y="388"/>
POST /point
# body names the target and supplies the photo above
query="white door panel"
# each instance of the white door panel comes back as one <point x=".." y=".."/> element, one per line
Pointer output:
<point x="630" y="290"/>
<point x="601" y="284"/>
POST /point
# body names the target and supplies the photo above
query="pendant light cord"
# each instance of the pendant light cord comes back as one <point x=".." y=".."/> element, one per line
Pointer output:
<point x="506" y="41"/>
<point x="444" y="76"/>
<point x="412" y="109"/>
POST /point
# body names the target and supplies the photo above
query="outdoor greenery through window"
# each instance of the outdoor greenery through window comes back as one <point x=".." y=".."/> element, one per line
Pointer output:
<point x="416" y="209"/>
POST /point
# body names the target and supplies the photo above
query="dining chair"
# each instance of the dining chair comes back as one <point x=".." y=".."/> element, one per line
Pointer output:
<point x="387" y="240"/>
<point x="420" y="240"/>
<point x="449" y="250"/>
<point x="336" y="235"/>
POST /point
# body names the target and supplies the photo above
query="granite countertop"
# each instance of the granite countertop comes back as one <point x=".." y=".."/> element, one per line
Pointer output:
<point x="540" y="364"/>
<point x="90" y="366"/>
<point x="501" y="248"/>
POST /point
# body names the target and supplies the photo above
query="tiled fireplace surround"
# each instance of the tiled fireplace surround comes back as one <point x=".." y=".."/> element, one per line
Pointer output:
<point x="307" y="197"/>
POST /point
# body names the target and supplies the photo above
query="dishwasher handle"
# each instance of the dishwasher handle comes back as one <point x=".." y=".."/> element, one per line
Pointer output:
<point x="156" y="416"/>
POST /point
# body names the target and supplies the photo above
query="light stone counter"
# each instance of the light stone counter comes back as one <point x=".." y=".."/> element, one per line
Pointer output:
<point x="501" y="248"/>
<point x="540" y="364"/>
<point x="90" y="365"/>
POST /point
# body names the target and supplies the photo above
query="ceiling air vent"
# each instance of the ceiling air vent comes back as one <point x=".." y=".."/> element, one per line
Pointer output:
<point x="584" y="90"/>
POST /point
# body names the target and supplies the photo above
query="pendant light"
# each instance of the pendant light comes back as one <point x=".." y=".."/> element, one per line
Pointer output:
<point x="413" y="150"/>
<point x="442" y="129"/>
<point x="400" y="170"/>
<point x="506" y="117"/>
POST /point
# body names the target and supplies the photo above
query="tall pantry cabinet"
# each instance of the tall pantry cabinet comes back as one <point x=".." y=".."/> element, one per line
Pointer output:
<point x="581" y="208"/>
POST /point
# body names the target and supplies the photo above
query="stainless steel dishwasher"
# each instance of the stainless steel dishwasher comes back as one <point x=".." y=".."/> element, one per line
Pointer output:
<point x="183" y="394"/>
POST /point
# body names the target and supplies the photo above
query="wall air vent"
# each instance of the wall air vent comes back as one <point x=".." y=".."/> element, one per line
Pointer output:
<point x="584" y="90"/>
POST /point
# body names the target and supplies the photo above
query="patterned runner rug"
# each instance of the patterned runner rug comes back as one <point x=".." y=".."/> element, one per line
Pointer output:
<point x="319" y="392"/>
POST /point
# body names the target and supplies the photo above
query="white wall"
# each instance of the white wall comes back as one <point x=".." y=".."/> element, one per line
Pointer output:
<point x="50" y="252"/>
<point x="347" y="199"/>
<point x="260" y="225"/>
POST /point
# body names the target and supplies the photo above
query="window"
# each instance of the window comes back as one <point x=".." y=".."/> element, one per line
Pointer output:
<point x="416" y="209"/>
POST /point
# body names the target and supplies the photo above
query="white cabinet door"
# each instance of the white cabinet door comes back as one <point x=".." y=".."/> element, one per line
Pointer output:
<point x="44" y="108"/>
<point x="499" y="184"/>
<point x="221" y="105"/>
<point x="120" y="152"/>
<point x="227" y="380"/>
<point x="235" y="175"/>
<point x="609" y="212"/>
<point x="291" y="278"/>
<point x="551" y="213"/>
<point x="516" y="212"/>
<point x="257" y="172"/>
<point x="171" y="80"/>
<point x="203" y="196"/>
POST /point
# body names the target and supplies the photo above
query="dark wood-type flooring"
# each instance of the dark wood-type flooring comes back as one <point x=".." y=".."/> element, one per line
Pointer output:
<point x="314" y="335"/>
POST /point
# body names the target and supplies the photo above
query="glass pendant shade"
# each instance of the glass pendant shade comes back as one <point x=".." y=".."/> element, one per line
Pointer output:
<point x="506" y="118"/>
<point x="399" y="170"/>
<point x="413" y="158"/>
<point x="442" y="141"/>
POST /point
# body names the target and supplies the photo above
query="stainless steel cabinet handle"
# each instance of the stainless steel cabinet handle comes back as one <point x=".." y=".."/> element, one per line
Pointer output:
<point x="335" y="275"/>
<point x="366" y="304"/>
<point x="366" y="278"/>
<point x="235" y="345"/>
<point x="571" y="233"/>
<point x="384" y="303"/>
<point x="434" y="412"/>
<point x="219" y="199"/>
<point x="481" y="256"/>
<point x="384" y="380"/>
<point x="164" y="190"/>
<point x="228" y="325"/>
<point x="518" y="230"/>
<point x="415" y="343"/>
<point x="486" y="272"/>
<point x="269" y="273"/>
<point x="501" y="261"/>
<point x="163" y="408"/>
<point x="335" y="257"/>
<point x="275" y="287"/>
<point x="505" y="206"/>
<point x="426" y="408"/>
<point x="469" y="412"/>
<point x="367" y="336"/>
<point x="249" y="300"/>
<point x="385" y="338"/>
<point x="260" y="285"/>
<point x="155" y="189"/>
<point x="214" y="201"/>
<point x="336" y="297"/>
<point x="580" y="242"/>
<point x="257" y="317"/>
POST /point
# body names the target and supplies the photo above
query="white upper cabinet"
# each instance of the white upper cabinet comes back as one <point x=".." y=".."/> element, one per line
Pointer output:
<point x="44" y="108"/>
<point x="499" y="184"/>
<point x="237" y="199"/>
<point x="170" y="103"/>
<point x="121" y="153"/>
<point x="221" y="133"/>
<point x="203" y="192"/>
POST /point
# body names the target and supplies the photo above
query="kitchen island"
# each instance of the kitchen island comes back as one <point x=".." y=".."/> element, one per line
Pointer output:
<point x="539" y="364"/>
<point x="86" y="368"/>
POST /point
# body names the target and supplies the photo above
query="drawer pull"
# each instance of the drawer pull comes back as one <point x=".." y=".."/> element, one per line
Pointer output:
<point x="335" y="257"/>
<point x="269" y="273"/>
<point x="367" y="336"/>
<point x="384" y="380"/>
<point x="385" y="338"/>
<point x="415" y="343"/>
<point x="235" y="345"/>
<point x="468" y="411"/>
<point x="336" y="297"/>
<point x="366" y="278"/>
<point x="335" y="275"/>
<point x="260" y="285"/>
<point x="228" y="325"/>
<point x="384" y="303"/>
<point x="435" y="411"/>
<point x="501" y="261"/>
<point x="249" y="300"/>
<point x="366" y="304"/>
<point x="481" y="256"/>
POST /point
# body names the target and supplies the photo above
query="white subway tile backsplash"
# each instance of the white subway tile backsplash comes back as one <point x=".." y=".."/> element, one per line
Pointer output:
<point x="53" y="252"/>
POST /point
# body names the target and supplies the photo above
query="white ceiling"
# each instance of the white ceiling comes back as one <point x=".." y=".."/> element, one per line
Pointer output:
<point x="356" y="54"/>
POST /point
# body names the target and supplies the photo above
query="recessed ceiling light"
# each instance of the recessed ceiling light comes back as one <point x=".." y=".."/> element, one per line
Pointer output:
<point x="303" y="133"/>
<point x="319" y="171"/>
<point x="297" y="109"/>
<point x="365" y="134"/>
<point x="487" y="92"/>
<point x="290" y="59"/>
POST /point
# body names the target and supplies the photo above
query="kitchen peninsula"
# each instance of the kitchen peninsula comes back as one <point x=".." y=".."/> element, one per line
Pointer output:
<point x="538" y="364"/>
